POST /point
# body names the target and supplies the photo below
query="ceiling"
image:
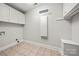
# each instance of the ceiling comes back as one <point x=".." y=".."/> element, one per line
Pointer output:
<point x="23" y="7"/>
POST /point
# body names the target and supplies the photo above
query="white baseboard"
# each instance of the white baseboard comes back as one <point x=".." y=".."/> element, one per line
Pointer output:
<point x="44" y="45"/>
<point x="9" y="45"/>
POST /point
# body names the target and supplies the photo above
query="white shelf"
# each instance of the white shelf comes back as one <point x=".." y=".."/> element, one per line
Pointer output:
<point x="60" y="19"/>
<point x="11" y="22"/>
<point x="71" y="10"/>
<point x="69" y="42"/>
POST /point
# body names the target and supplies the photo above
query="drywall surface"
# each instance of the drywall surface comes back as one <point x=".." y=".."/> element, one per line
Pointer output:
<point x="12" y="31"/>
<point x="56" y="29"/>
<point x="75" y="28"/>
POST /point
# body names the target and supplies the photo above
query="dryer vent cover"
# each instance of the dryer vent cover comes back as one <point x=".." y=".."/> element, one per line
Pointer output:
<point x="43" y="11"/>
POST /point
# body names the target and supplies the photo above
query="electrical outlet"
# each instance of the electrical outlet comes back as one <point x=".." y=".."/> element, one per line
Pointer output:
<point x="17" y="40"/>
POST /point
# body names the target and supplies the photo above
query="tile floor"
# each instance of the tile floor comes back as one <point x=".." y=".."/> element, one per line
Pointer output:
<point x="27" y="49"/>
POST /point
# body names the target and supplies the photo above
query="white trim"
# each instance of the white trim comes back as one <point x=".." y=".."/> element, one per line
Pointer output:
<point x="45" y="45"/>
<point x="9" y="45"/>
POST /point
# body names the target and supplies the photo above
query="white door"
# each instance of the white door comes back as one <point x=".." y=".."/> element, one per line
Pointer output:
<point x="43" y="25"/>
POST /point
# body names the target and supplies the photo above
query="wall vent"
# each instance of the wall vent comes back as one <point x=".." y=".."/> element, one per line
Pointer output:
<point x="43" y="11"/>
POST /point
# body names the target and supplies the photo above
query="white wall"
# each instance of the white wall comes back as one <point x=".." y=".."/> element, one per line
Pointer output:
<point x="56" y="29"/>
<point x="75" y="28"/>
<point x="12" y="31"/>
